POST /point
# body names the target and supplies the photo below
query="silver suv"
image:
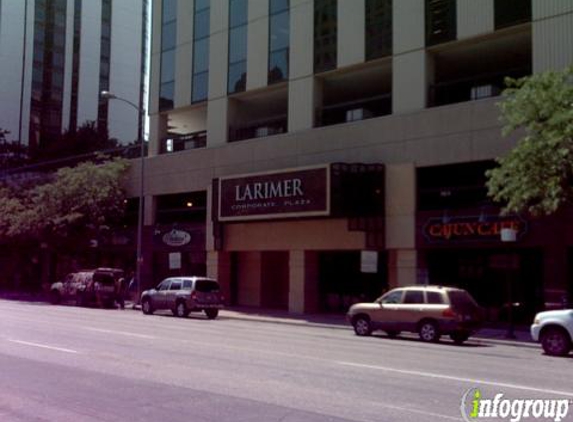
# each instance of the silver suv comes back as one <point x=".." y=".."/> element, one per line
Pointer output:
<point x="183" y="295"/>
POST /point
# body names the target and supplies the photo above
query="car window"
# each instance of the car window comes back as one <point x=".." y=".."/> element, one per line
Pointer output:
<point x="435" y="298"/>
<point x="393" y="297"/>
<point x="175" y="285"/>
<point x="164" y="285"/>
<point x="461" y="300"/>
<point x="414" y="296"/>
<point x="187" y="284"/>
<point x="206" y="286"/>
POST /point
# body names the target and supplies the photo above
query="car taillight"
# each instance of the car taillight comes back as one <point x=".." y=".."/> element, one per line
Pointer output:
<point x="448" y="313"/>
<point x="194" y="295"/>
<point x="222" y="298"/>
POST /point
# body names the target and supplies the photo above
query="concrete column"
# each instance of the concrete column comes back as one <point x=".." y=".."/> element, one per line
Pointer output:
<point x="219" y="268"/>
<point x="552" y="34"/>
<point x="217" y="121"/>
<point x="301" y="68"/>
<point x="351" y="27"/>
<point x="303" y="282"/>
<point x="184" y="53"/>
<point x="155" y="67"/>
<point x="217" y="108"/>
<point x="474" y="17"/>
<point x="409" y="77"/>
<point x="218" y="49"/>
<point x="402" y="267"/>
<point x="157" y="131"/>
<point x="257" y="44"/>
<point x="400" y="206"/>
<point x="296" y="296"/>
<point x="249" y="278"/>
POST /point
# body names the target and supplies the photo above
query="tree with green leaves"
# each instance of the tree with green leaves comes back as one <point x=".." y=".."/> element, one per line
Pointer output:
<point x="75" y="202"/>
<point x="536" y="177"/>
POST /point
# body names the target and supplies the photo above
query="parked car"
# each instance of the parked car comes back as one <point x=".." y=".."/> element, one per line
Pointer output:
<point x="554" y="330"/>
<point x="430" y="311"/>
<point x="87" y="287"/>
<point x="183" y="295"/>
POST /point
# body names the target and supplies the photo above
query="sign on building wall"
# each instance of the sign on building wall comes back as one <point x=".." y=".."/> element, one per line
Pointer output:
<point x="287" y="194"/>
<point x="471" y="228"/>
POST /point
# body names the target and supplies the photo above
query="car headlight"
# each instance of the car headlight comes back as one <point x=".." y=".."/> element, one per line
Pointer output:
<point x="536" y="321"/>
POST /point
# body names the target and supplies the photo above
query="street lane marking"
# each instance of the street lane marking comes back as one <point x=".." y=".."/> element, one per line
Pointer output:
<point x="123" y="333"/>
<point x="43" y="346"/>
<point x="460" y="379"/>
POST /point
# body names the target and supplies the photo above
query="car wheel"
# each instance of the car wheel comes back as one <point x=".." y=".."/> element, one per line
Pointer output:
<point x="392" y="334"/>
<point x="211" y="313"/>
<point x="459" y="337"/>
<point x="555" y="341"/>
<point x="362" y="326"/>
<point x="55" y="297"/>
<point x="429" y="332"/>
<point x="181" y="309"/>
<point x="146" y="307"/>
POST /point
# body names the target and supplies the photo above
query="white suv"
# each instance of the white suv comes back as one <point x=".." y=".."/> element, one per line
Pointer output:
<point x="554" y="329"/>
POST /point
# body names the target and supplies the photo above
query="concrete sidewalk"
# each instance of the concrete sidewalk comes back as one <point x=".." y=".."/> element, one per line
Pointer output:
<point x="336" y="321"/>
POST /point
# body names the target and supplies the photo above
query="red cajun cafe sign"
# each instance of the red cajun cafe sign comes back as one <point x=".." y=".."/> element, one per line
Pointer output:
<point x="471" y="228"/>
<point x="297" y="193"/>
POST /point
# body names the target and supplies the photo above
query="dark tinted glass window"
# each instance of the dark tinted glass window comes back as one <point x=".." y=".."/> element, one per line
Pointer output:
<point x="325" y="35"/>
<point x="414" y="296"/>
<point x="200" y="86"/>
<point x="175" y="285"/>
<point x="201" y="37"/>
<point x="378" y="28"/>
<point x="237" y="74"/>
<point x="461" y="300"/>
<point x="440" y="21"/>
<point x="169" y="10"/>
<point x="187" y="284"/>
<point x="434" y="298"/>
<point x="206" y="286"/>
<point x="168" y="66"/>
<point x="393" y="297"/>
<point x="279" y="40"/>
<point x="164" y="285"/>
<point x="169" y="36"/>
<point x="511" y="12"/>
<point x="276" y="6"/>
<point x="237" y="12"/>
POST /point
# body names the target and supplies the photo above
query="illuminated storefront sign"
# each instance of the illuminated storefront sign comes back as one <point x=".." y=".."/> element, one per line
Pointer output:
<point x="471" y="228"/>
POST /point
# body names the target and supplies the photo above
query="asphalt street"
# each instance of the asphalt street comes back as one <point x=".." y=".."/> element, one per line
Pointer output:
<point x="65" y="363"/>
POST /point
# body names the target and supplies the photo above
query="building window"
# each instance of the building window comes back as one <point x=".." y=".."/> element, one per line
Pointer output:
<point x="325" y="35"/>
<point x="378" y="29"/>
<point x="279" y="40"/>
<point x="48" y="71"/>
<point x="76" y="65"/>
<point x="238" y="22"/>
<point x="511" y="12"/>
<point x="440" y="21"/>
<point x="201" y="28"/>
<point x="168" y="44"/>
<point x="105" y="59"/>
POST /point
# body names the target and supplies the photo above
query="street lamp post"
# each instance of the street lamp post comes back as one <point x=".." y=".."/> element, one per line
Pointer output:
<point x="106" y="95"/>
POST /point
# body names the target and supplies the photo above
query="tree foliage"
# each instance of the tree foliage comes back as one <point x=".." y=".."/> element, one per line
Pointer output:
<point x="75" y="201"/>
<point x="536" y="176"/>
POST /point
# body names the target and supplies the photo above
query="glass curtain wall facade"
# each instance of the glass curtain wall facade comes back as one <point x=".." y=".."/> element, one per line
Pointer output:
<point x="279" y="40"/>
<point x="325" y="35"/>
<point x="201" y="28"/>
<point x="48" y="71"/>
<point x="104" y="66"/>
<point x="378" y="29"/>
<point x="238" y="23"/>
<point x="168" y="44"/>
<point x="76" y="65"/>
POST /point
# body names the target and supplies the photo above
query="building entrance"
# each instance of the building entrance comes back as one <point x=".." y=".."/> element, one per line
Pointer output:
<point x="341" y="282"/>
